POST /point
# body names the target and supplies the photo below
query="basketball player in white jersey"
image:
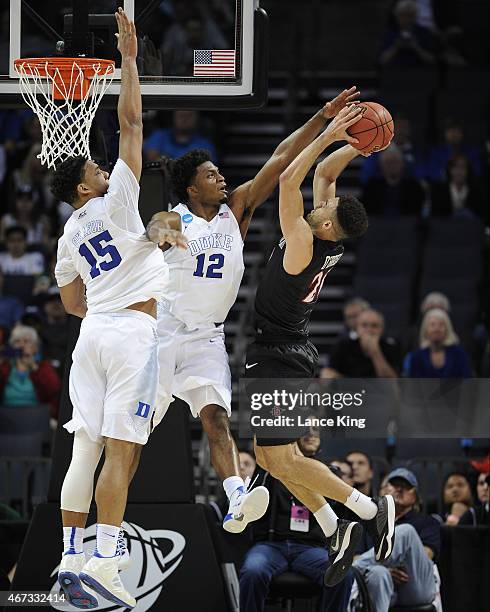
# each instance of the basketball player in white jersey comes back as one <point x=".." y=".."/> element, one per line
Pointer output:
<point x="204" y="282"/>
<point x="112" y="276"/>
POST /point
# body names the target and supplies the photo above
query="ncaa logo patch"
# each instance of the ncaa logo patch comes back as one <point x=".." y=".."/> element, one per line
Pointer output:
<point x="149" y="568"/>
<point x="187" y="218"/>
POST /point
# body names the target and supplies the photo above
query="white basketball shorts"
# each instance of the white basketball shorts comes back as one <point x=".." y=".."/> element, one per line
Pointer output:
<point x="193" y="366"/>
<point x="114" y="376"/>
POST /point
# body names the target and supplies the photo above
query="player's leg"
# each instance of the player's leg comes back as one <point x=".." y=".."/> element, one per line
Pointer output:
<point x="286" y="464"/>
<point x="129" y="402"/>
<point x="87" y="388"/>
<point x="203" y="380"/>
<point x="342" y="536"/>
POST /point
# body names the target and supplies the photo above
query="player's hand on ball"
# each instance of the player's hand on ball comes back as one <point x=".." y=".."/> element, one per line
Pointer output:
<point x="348" y="96"/>
<point x="127" y="43"/>
<point x="346" y="117"/>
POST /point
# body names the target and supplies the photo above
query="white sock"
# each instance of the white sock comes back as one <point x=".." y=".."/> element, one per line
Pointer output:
<point x="106" y="542"/>
<point x="72" y="540"/>
<point x="231" y="484"/>
<point x="362" y="505"/>
<point x="327" y="519"/>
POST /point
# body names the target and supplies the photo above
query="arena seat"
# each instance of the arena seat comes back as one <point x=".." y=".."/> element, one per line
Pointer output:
<point x="291" y="586"/>
<point x="452" y="233"/>
<point x="386" y="289"/>
<point x="399" y="232"/>
<point x="18" y="285"/>
<point x="386" y="261"/>
<point x="25" y="419"/>
<point x="451" y="262"/>
<point x="424" y="608"/>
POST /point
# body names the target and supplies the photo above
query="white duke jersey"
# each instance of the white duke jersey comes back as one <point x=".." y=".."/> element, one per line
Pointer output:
<point x="104" y="242"/>
<point x="205" y="277"/>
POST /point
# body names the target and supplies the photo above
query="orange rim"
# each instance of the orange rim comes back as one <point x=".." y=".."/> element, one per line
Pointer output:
<point x="61" y="71"/>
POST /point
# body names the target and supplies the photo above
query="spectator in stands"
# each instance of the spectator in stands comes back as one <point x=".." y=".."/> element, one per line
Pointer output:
<point x="383" y="487"/>
<point x="37" y="176"/>
<point x="26" y="215"/>
<point x="24" y="379"/>
<point x="393" y="193"/>
<point x="351" y="311"/>
<point x="434" y="299"/>
<point x="370" y="355"/>
<point x="456" y="496"/>
<point x="454" y="146"/>
<point x="458" y="196"/>
<point x="11" y="309"/>
<point x="179" y="139"/>
<point x="345" y="470"/>
<point x="17" y="260"/>
<point x="309" y="444"/>
<point x="54" y="330"/>
<point x="407" y="44"/>
<point x="407" y="578"/>
<point x="362" y="471"/>
<point x="286" y="538"/>
<point x="247" y="464"/>
<point x="480" y="514"/>
<point x="414" y="163"/>
<point x="440" y="355"/>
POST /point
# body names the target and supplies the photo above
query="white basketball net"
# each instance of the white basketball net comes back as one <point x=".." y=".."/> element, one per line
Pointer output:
<point x="66" y="122"/>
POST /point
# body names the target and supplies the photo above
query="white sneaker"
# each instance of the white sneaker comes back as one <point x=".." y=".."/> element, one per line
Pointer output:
<point x="122" y="553"/>
<point x="102" y="575"/>
<point x="69" y="578"/>
<point x="246" y="507"/>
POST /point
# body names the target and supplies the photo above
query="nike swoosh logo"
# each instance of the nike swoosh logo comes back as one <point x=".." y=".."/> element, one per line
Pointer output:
<point x="336" y="547"/>
<point x="251" y="365"/>
<point x="109" y="534"/>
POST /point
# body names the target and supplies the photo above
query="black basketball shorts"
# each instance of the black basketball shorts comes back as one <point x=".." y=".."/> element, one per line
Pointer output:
<point x="280" y="361"/>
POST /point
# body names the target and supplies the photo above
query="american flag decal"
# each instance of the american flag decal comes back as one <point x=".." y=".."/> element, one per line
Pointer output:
<point x="214" y="62"/>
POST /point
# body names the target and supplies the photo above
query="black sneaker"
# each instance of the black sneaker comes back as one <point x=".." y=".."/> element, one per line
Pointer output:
<point x="382" y="527"/>
<point x="341" y="547"/>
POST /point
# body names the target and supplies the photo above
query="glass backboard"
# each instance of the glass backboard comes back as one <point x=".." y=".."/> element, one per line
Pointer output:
<point x="191" y="53"/>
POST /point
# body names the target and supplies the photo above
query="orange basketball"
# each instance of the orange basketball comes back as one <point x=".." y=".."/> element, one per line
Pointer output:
<point x="374" y="130"/>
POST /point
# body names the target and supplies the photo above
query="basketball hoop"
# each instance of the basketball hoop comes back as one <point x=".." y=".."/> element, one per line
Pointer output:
<point x="64" y="93"/>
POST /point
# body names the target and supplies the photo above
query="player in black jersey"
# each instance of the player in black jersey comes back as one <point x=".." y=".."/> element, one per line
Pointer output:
<point x="286" y="295"/>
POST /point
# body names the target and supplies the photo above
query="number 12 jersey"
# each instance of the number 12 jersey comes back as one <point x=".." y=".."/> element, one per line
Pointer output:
<point x="205" y="277"/>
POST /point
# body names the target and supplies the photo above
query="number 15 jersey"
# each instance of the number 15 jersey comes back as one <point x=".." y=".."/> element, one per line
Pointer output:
<point x="104" y="242"/>
<point x="205" y="277"/>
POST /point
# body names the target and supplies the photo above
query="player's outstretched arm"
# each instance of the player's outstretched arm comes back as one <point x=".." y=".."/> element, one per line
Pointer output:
<point x="327" y="172"/>
<point x="248" y="196"/>
<point x="73" y="298"/>
<point x="164" y="229"/>
<point x="129" y="105"/>
<point x="296" y="231"/>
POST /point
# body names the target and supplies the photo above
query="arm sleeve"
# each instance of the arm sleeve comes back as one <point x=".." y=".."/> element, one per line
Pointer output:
<point x="121" y="199"/>
<point x="124" y="189"/>
<point x="65" y="271"/>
